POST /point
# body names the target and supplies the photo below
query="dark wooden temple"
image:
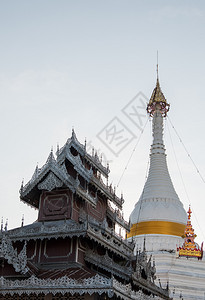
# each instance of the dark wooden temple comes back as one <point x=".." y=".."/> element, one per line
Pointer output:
<point x="73" y="251"/>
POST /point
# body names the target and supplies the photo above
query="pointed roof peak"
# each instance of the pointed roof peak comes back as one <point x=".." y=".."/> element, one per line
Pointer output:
<point x="157" y="95"/>
<point x="189" y="212"/>
<point x="73" y="133"/>
<point x="158" y="99"/>
<point x="51" y="157"/>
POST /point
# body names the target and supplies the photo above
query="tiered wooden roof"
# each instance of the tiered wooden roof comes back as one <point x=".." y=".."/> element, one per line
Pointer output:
<point x="72" y="249"/>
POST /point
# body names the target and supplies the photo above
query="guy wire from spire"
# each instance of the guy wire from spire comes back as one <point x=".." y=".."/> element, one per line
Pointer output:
<point x="181" y="173"/>
<point x="184" y="186"/>
<point x="126" y="166"/>
<point x="175" y="156"/>
<point x="146" y="175"/>
<point x="202" y="178"/>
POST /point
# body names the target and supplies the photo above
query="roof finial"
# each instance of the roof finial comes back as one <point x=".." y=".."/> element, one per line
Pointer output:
<point x="6" y="225"/>
<point x="144" y="245"/>
<point x="157" y="99"/>
<point x="2" y="224"/>
<point x="22" y="183"/>
<point x="58" y="149"/>
<point x="189" y="213"/>
<point x="22" y="221"/>
<point x="73" y="133"/>
<point x="157" y="66"/>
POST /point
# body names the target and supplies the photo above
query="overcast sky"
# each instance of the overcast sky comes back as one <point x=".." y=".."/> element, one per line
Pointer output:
<point x="79" y="64"/>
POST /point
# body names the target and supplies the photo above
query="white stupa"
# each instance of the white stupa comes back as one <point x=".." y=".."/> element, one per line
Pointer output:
<point x="160" y="218"/>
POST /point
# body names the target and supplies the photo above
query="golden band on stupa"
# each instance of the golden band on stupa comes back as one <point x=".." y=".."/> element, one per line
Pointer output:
<point x="157" y="227"/>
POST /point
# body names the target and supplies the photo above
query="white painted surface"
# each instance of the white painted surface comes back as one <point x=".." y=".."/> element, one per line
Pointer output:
<point x="159" y="200"/>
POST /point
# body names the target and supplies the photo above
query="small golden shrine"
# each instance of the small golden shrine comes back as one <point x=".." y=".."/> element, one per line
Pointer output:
<point x="190" y="248"/>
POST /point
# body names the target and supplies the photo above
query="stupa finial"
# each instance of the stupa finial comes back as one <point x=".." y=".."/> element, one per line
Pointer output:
<point x="157" y="100"/>
<point x="157" y="67"/>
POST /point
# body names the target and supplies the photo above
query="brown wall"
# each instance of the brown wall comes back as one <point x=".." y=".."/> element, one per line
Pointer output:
<point x="55" y="205"/>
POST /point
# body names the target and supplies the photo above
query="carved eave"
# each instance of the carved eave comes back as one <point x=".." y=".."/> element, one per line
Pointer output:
<point x="150" y="287"/>
<point x="76" y="162"/>
<point x="95" y="161"/>
<point x="117" y="217"/>
<point x="63" y="285"/>
<point x="50" y="176"/>
<point x="109" y="240"/>
<point x="89" y="177"/>
<point x="47" y="230"/>
<point x="107" y="191"/>
<point x="86" y="196"/>
<point x="106" y="263"/>
<point x="69" y="228"/>
<point x="96" y="284"/>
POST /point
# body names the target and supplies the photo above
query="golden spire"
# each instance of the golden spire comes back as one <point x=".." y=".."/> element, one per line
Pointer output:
<point x="157" y="66"/>
<point x="189" y="232"/>
<point x="157" y="95"/>
<point x="157" y="99"/>
<point x="189" y="213"/>
<point x="190" y="248"/>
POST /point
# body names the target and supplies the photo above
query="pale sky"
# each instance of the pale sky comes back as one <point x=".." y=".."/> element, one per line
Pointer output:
<point x="67" y="64"/>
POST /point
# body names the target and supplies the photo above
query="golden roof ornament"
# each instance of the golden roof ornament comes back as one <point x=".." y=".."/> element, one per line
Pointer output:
<point x="189" y="247"/>
<point x="157" y="100"/>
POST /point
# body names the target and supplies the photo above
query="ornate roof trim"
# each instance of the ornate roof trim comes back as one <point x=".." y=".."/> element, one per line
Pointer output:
<point x="47" y="231"/>
<point x="7" y="251"/>
<point x="76" y="162"/>
<point x="150" y="286"/>
<point x="110" y="240"/>
<point x="96" y="284"/>
<point x="94" y="160"/>
<point x="85" y="195"/>
<point x="105" y="262"/>
<point x="106" y="237"/>
<point x="59" y="175"/>
<point x="51" y="182"/>
<point x="116" y="215"/>
<point x="108" y="191"/>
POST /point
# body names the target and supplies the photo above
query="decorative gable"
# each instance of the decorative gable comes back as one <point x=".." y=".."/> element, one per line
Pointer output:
<point x="18" y="261"/>
<point x="70" y="183"/>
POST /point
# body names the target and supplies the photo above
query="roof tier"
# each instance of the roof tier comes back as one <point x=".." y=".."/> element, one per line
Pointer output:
<point x="54" y="174"/>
